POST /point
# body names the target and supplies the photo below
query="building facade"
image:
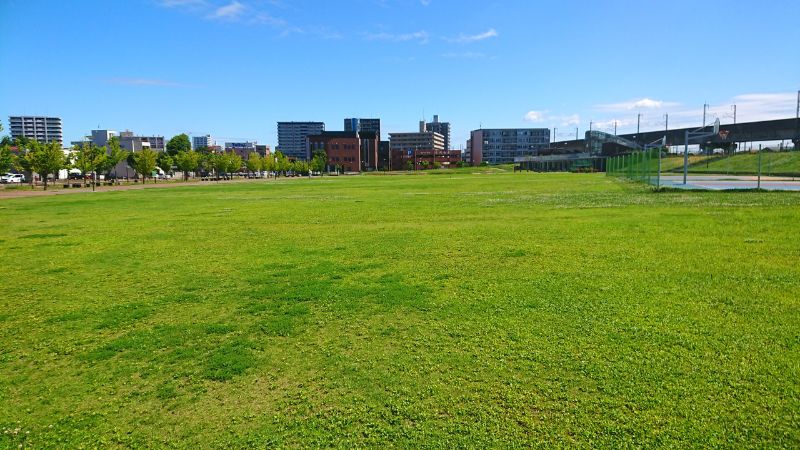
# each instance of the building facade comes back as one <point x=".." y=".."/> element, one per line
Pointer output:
<point x="242" y="149"/>
<point x="293" y="137"/>
<point x="133" y="143"/>
<point x="425" y="159"/>
<point x="502" y="145"/>
<point x="349" y="151"/>
<point x="202" y="142"/>
<point x="442" y="128"/>
<point x="422" y="140"/>
<point x="38" y="128"/>
<point x="368" y="125"/>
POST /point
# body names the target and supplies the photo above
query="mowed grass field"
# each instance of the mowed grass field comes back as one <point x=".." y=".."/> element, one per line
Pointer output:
<point x="452" y="310"/>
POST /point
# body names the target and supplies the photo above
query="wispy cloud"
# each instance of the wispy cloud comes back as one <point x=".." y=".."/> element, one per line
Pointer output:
<point x="644" y="103"/>
<point x="561" y="120"/>
<point x="425" y="2"/>
<point x="183" y="3"/>
<point x="230" y="11"/>
<point x="467" y="38"/>
<point x="247" y="12"/>
<point x="144" y="82"/>
<point x="464" y="55"/>
<point x="421" y="37"/>
<point x="534" y="116"/>
<point x="750" y="107"/>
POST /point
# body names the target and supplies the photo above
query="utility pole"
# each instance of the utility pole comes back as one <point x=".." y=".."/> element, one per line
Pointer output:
<point x="734" y="114"/>
<point x="797" y="123"/>
<point x="615" y="128"/>
<point x="666" y="126"/>
<point x="576" y="133"/>
<point x="638" y="121"/>
<point x="590" y="122"/>
<point x="705" y="107"/>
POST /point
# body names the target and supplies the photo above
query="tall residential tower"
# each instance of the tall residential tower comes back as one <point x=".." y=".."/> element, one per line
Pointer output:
<point x="39" y="128"/>
<point x="293" y="137"/>
<point x="442" y="128"/>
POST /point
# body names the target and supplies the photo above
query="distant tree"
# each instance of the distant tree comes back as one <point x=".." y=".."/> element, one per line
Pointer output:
<point x="115" y="154"/>
<point x="144" y="163"/>
<point x="424" y="164"/>
<point x="268" y="164"/>
<point x="300" y="167"/>
<point x="319" y="161"/>
<point x="89" y="159"/>
<point x="46" y="159"/>
<point x="177" y="144"/>
<point x="231" y="162"/>
<point x="165" y="162"/>
<point x="187" y="162"/>
<point x="21" y="162"/>
<point x="282" y="163"/>
<point x="210" y="163"/>
<point x="437" y="165"/>
<point x="254" y="162"/>
<point x="410" y="165"/>
<point x="6" y="158"/>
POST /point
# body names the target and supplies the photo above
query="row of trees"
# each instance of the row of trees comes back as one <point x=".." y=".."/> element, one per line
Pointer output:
<point x="46" y="159"/>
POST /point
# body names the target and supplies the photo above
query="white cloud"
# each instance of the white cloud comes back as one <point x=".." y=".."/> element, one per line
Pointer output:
<point x="420" y="36"/>
<point x="228" y="12"/>
<point x="467" y="38"/>
<point x="533" y="116"/>
<point x="644" y="103"/>
<point x="557" y="119"/>
<point x="570" y="120"/>
<point x="425" y="2"/>
<point x="608" y="125"/>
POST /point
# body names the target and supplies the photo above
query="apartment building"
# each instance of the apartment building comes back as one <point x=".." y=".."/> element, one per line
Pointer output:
<point x="293" y="137"/>
<point x="39" y="128"/>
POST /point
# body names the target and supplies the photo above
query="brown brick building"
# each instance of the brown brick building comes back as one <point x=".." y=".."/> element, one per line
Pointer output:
<point x="349" y="151"/>
<point x="424" y="158"/>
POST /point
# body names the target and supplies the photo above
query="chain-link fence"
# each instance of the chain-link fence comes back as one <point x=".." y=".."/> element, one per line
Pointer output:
<point x="766" y="168"/>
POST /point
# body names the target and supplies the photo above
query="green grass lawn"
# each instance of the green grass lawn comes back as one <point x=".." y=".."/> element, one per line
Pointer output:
<point x="772" y="163"/>
<point x="460" y="310"/>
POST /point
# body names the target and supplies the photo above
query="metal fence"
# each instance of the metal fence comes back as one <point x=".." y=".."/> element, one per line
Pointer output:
<point x="643" y="166"/>
<point x="762" y="168"/>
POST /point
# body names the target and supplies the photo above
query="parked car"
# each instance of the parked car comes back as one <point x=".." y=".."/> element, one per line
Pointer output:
<point x="4" y="177"/>
<point x="15" y="178"/>
<point x="75" y="176"/>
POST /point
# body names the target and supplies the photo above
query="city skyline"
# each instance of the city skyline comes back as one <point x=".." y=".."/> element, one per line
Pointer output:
<point x="473" y="64"/>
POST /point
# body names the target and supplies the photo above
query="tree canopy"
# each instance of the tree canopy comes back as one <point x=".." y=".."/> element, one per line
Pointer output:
<point x="144" y="163"/>
<point x="254" y="162"/>
<point x="179" y="143"/>
<point x="187" y="162"/>
<point x="319" y="161"/>
<point x="6" y="158"/>
<point x="89" y="159"/>
<point x="46" y="159"/>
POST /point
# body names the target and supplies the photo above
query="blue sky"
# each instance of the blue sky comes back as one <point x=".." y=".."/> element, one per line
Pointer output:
<point x="232" y="68"/>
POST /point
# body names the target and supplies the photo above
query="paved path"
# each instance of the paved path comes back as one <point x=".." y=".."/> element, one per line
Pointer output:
<point x="726" y="182"/>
